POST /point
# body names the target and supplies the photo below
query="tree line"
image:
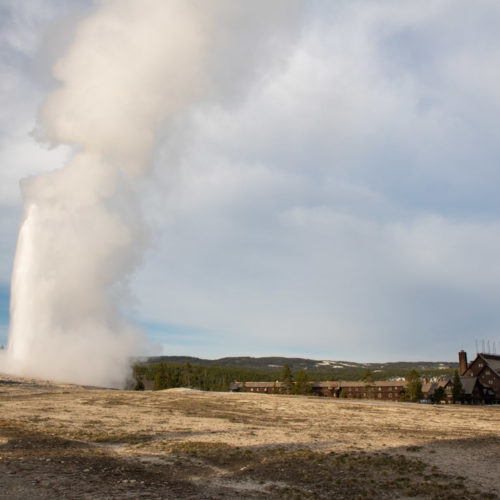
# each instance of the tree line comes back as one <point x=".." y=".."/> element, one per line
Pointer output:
<point x="205" y="378"/>
<point x="214" y="378"/>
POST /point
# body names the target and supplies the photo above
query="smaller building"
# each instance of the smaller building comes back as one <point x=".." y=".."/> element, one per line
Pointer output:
<point x="473" y="390"/>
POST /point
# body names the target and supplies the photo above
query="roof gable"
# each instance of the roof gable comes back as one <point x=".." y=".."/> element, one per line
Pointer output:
<point x="468" y="383"/>
<point x="492" y="361"/>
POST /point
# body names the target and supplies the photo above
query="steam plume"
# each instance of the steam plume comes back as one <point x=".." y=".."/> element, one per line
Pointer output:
<point x="132" y="65"/>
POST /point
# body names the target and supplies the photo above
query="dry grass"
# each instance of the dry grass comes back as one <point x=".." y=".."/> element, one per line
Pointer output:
<point x="259" y="446"/>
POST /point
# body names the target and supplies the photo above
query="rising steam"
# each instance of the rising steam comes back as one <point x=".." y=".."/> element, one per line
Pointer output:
<point x="133" y="64"/>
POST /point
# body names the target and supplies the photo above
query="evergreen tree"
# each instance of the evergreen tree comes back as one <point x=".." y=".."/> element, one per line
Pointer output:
<point x="161" y="377"/>
<point x="302" y="385"/>
<point x="287" y="380"/>
<point x="367" y="377"/>
<point x="187" y="374"/>
<point x="439" y="395"/>
<point x="414" y="389"/>
<point x="458" y="392"/>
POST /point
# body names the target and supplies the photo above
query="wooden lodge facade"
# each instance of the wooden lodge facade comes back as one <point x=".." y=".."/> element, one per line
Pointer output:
<point x="257" y="387"/>
<point x="485" y="369"/>
<point x="387" y="390"/>
<point x="480" y="380"/>
<point x="383" y="390"/>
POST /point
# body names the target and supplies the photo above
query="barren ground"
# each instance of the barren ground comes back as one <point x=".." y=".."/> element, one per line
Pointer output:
<point x="62" y="441"/>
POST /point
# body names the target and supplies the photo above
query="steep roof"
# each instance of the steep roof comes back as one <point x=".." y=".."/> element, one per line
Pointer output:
<point x="493" y="362"/>
<point x="444" y="382"/>
<point x="262" y="384"/>
<point x="429" y="388"/>
<point x="468" y="384"/>
<point x="326" y="383"/>
<point x="377" y="383"/>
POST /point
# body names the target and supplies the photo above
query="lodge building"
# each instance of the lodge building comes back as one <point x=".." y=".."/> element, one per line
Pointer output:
<point x="384" y="390"/>
<point x="485" y="368"/>
<point x="480" y="381"/>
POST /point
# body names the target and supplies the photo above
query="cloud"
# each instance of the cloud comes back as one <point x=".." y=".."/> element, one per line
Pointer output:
<point x="347" y="206"/>
<point x="335" y="196"/>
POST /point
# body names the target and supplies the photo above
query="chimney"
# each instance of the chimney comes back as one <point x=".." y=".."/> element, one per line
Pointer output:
<point x="462" y="362"/>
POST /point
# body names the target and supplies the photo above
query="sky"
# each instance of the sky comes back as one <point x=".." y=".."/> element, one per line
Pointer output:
<point x="335" y="198"/>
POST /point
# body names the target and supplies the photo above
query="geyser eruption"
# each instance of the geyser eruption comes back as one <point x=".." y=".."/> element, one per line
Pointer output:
<point x="132" y="65"/>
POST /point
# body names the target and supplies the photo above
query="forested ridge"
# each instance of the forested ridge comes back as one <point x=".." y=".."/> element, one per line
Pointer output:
<point x="278" y="362"/>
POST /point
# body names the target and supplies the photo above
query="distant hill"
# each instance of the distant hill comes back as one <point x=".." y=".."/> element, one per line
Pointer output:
<point x="270" y="363"/>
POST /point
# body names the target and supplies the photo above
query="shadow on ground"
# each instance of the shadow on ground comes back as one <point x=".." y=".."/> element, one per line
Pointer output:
<point x="38" y="465"/>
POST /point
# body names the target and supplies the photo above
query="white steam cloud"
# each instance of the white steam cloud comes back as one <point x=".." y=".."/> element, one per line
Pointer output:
<point x="132" y="66"/>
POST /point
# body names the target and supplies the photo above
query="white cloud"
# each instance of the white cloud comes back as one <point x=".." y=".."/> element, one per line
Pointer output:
<point x="339" y="205"/>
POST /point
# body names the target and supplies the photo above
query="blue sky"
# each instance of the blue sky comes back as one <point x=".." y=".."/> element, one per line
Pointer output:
<point x="336" y="199"/>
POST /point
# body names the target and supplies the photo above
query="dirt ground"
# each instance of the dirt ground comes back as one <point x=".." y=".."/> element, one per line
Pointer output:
<point x="63" y="441"/>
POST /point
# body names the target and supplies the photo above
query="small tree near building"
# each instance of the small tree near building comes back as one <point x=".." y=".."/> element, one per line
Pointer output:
<point x="367" y="377"/>
<point x="287" y="380"/>
<point x="302" y="385"/>
<point x="457" y="392"/>
<point x="414" y="389"/>
<point x="439" y="395"/>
